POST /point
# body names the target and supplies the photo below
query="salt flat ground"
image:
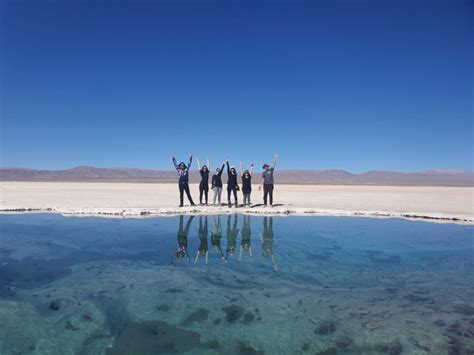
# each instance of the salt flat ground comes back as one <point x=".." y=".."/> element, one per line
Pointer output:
<point x="131" y="199"/>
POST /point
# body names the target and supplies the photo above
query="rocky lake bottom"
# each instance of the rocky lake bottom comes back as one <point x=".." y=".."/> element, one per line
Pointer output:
<point x="234" y="284"/>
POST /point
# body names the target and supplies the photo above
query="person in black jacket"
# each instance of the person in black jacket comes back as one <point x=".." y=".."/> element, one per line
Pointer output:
<point x="246" y="183"/>
<point x="183" y="180"/>
<point x="204" y="184"/>
<point x="217" y="184"/>
<point x="232" y="186"/>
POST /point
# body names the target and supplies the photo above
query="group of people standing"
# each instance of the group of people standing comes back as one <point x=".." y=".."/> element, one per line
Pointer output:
<point x="267" y="182"/>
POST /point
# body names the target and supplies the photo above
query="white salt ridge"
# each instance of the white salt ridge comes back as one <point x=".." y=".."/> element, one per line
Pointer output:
<point x="437" y="204"/>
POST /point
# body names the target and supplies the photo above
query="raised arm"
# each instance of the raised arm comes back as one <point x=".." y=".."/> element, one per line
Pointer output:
<point x="222" y="169"/>
<point x="174" y="161"/>
<point x="190" y="161"/>
<point x="228" y="166"/>
<point x="275" y="159"/>
<point x="251" y="169"/>
<point x="241" y="169"/>
<point x="208" y="164"/>
<point x="198" y="164"/>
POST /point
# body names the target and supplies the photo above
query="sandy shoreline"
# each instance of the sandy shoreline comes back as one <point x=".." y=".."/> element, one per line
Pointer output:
<point x="440" y="204"/>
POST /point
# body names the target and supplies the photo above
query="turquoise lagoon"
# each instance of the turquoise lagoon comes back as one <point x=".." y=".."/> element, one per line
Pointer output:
<point x="271" y="285"/>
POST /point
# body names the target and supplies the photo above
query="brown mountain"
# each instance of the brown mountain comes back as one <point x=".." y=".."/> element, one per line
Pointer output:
<point x="331" y="177"/>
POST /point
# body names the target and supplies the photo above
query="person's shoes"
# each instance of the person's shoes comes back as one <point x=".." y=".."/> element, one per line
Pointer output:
<point x="193" y="204"/>
<point x="230" y="205"/>
<point x="180" y="205"/>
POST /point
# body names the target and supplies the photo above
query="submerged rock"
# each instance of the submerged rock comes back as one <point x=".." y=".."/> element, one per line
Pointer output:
<point x="163" y="308"/>
<point x="199" y="315"/>
<point x="343" y="342"/>
<point x="392" y="348"/>
<point x="325" y="328"/>
<point x="233" y="313"/>
<point x="245" y="349"/>
<point x="154" y="337"/>
<point x="248" y="317"/>
<point x="465" y="309"/>
<point x="55" y="305"/>
<point x="305" y="346"/>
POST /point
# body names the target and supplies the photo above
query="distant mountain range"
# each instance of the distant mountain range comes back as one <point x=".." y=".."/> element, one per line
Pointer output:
<point x="331" y="177"/>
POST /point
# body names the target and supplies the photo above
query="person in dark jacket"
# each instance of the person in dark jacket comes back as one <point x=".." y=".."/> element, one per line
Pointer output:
<point x="183" y="180"/>
<point x="267" y="181"/>
<point x="204" y="184"/>
<point x="216" y="184"/>
<point x="232" y="186"/>
<point x="246" y="183"/>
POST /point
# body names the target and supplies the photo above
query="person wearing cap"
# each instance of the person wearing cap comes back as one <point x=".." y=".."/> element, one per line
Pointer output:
<point x="182" y="170"/>
<point x="268" y="181"/>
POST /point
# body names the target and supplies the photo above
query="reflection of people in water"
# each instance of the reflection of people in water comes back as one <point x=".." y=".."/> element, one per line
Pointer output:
<point x="216" y="236"/>
<point x="246" y="233"/>
<point x="203" y="249"/>
<point x="182" y="245"/>
<point x="232" y="234"/>
<point x="267" y="240"/>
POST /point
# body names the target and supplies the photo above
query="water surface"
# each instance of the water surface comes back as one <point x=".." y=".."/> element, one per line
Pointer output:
<point x="234" y="285"/>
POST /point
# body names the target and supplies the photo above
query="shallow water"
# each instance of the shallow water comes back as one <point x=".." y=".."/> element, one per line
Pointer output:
<point x="328" y="285"/>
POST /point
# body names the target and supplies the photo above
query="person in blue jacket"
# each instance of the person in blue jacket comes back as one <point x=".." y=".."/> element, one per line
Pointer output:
<point x="182" y="171"/>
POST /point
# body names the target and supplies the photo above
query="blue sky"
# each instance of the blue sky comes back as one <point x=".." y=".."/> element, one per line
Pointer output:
<point x="356" y="85"/>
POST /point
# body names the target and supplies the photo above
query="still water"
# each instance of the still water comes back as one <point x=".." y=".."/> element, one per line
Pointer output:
<point x="235" y="284"/>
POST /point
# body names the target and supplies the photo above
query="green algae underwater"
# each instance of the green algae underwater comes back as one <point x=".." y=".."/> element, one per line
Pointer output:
<point x="234" y="284"/>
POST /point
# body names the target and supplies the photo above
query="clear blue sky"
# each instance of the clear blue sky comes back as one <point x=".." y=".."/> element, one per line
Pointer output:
<point x="356" y="85"/>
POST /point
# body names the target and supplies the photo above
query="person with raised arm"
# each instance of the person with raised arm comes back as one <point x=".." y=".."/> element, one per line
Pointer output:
<point x="183" y="180"/>
<point x="216" y="183"/>
<point x="268" y="181"/>
<point x="246" y="183"/>
<point x="232" y="185"/>
<point x="204" y="184"/>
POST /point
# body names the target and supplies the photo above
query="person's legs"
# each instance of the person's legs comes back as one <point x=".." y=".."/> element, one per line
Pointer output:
<point x="201" y="190"/>
<point x="265" y="193"/>
<point x="270" y="192"/>
<point x="229" y="190"/>
<point x="248" y="198"/>
<point x="219" y="194"/>
<point x="215" y="195"/>
<point x="245" y="198"/>
<point x="188" y="193"/>
<point x="206" y="194"/>
<point x="235" y="196"/>
<point x="181" y="193"/>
